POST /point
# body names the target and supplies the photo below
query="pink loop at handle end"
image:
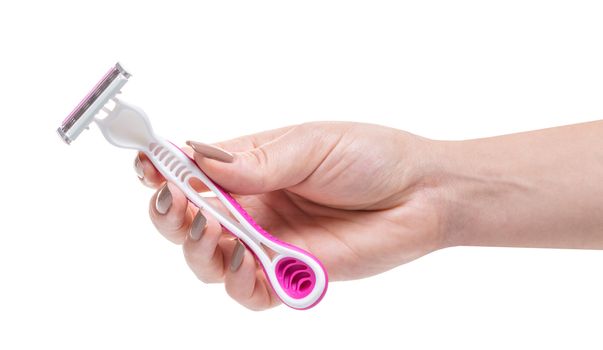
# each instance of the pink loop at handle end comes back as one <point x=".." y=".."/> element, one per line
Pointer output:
<point x="295" y="277"/>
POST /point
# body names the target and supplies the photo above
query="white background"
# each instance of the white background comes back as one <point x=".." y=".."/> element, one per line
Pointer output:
<point x="81" y="266"/>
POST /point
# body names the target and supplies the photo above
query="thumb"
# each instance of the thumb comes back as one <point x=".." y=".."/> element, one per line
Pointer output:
<point x="277" y="163"/>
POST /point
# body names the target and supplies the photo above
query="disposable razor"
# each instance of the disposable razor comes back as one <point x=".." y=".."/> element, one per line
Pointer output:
<point x="296" y="276"/>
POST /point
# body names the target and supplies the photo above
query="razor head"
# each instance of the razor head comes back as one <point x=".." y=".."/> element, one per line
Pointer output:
<point x="81" y="117"/>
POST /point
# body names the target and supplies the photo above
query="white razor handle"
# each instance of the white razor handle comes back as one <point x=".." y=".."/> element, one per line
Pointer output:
<point x="297" y="277"/>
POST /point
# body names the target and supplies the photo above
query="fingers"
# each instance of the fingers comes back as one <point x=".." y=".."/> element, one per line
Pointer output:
<point x="204" y="249"/>
<point x="150" y="176"/>
<point x="146" y="172"/>
<point x="245" y="282"/>
<point x="214" y="256"/>
<point x="281" y="161"/>
<point x="211" y="152"/>
<point x="247" y="142"/>
<point x="170" y="213"/>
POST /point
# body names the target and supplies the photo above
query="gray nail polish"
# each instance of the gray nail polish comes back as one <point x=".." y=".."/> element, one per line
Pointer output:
<point x="237" y="256"/>
<point x="198" y="226"/>
<point x="211" y="152"/>
<point x="163" y="201"/>
<point x="138" y="168"/>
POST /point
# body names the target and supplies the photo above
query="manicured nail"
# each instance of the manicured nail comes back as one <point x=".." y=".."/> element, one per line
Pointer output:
<point x="211" y="152"/>
<point x="198" y="226"/>
<point x="138" y="167"/>
<point x="237" y="256"/>
<point x="163" y="201"/>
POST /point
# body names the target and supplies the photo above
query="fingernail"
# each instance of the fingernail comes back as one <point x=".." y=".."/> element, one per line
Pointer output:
<point x="198" y="226"/>
<point x="211" y="152"/>
<point x="163" y="201"/>
<point x="237" y="256"/>
<point x="138" y="167"/>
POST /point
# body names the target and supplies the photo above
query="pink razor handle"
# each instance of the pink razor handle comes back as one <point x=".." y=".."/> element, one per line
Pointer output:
<point x="297" y="277"/>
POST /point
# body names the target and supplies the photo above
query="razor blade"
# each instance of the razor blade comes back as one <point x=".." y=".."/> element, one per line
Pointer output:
<point x="83" y="114"/>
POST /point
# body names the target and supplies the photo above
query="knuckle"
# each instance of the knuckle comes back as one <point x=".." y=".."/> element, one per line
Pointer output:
<point x="257" y="308"/>
<point x="260" y="156"/>
<point x="261" y="159"/>
<point x="203" y="278"/>
<point x="189" y="254"/>
<point x="207" y="276"/>
<point x="170" y="231"/>
<point x="236" y="293"/>
<point x="201" y="269"/>
<point x="174" y="222"/>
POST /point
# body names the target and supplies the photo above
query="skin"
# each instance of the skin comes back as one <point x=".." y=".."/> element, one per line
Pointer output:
<point x="365" y="198"/>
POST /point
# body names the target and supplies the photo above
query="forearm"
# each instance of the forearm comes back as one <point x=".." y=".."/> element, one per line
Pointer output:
<point x="536" y="189"/>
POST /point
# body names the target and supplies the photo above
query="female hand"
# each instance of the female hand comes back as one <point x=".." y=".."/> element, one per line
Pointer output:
<point x="357" y="196"/>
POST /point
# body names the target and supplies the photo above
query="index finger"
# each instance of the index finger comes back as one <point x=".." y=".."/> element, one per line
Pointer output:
<point x="247" y="142"/>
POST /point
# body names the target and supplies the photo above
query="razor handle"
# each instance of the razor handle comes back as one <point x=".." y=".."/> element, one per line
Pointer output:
<point x="297" y="277"/>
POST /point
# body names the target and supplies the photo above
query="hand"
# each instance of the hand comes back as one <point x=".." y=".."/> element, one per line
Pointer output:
<point x="365" y="198"/>
<point x="357" y="196"/>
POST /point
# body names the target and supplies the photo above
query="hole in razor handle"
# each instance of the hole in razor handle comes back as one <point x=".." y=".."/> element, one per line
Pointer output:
<point x="269" y="252"/>
<point x="295" y="277"/>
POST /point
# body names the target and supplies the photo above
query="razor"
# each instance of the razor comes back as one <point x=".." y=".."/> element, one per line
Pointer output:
<point x="296" y="276"/>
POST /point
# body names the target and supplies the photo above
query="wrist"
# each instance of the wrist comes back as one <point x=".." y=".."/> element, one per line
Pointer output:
<point x="534" y="189"/>
<point x="474" y="185"/>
